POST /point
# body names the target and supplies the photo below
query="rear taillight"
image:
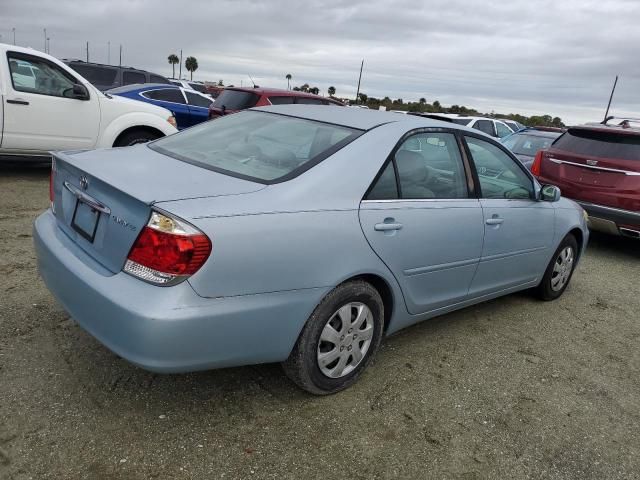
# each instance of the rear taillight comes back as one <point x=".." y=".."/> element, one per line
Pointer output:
<point x="167" y="251"/>
<point x="51" y="180"/>
<point x="535" y="166"/>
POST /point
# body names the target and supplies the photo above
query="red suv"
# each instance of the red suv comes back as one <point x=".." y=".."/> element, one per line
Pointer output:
<point x="234" y="99"/>
<point x="599" y="167"/>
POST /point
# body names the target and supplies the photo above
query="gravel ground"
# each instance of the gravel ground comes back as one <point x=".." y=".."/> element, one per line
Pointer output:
<point x="513" y="388"/>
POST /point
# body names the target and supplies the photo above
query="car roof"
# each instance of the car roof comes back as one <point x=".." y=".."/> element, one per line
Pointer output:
<point x="607" y="128"/>
<point x="277" y="92"/>
<point x="359" y="118"/>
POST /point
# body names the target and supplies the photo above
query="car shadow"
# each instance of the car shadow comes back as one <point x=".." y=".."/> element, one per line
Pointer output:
<point x="33" y="170"/>
<point x="623" y="247"/>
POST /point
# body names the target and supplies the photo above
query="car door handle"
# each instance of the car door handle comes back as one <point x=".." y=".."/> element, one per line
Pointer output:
<point x="17" y="101"/>
<point x="494" y="221"/>
<point x="386" y="227"/>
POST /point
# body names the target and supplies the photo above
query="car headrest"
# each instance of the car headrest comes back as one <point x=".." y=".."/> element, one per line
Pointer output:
<point x="411" y="166"/>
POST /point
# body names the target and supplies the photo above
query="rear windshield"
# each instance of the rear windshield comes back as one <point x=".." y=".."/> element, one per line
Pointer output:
<point x="236" y="100"/>
<point x="460" y="121"/>
<point x="523" y="144"/>
<point x="600" y="144"/>
<point x="258" y="146"/>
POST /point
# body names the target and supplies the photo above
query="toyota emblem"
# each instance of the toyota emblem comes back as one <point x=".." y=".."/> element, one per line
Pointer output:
<point x="84" y="182"/>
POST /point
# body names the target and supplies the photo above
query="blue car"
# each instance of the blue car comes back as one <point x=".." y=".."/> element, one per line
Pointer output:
<point x="188" y="106"/>
<point x="298" y="234"/>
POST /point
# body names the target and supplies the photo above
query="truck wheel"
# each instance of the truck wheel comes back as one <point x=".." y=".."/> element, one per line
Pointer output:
<point x="134" y="137"/>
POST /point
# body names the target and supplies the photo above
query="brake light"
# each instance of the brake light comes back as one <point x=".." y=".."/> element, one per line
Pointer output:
<point x="167" y="251"/>
<point x="51" y="180"/>
<point x="535" y="166"/>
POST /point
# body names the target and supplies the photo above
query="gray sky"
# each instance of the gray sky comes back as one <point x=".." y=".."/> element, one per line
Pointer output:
<point x="521" y="56"/>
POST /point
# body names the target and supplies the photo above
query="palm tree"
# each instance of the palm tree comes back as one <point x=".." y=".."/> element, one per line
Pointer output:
<point x="191" y="64"/>
<point x="363" y="98"/>
<point x="288" y="77"/>
<point x="423" y="101"/>
<point x="331" y="91"/>
<point x="314" y="90"/>
<point x="173" y="60"/>
<point x="304" y="87"/>
<point x="220" y="83"/>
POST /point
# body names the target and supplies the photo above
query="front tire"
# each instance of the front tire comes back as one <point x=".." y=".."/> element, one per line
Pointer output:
<point x="560" y="270"/>
<point x="339" y="339"/>
<point x="135" y="137"/>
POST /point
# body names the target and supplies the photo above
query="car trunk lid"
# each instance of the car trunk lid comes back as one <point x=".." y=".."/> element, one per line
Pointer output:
<point x="103" y="199"/>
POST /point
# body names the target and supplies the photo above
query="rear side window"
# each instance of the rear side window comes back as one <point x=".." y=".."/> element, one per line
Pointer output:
<point x="385" y="187"/>
<point x="502" y="130"/>
<point x="600" y="144"/>
<point x="129" y="78"/>
<point x="198" y="87"/>
<point x="281" y="100"/>
<point x="485" y="126"/>
<point x="96" y="75"/>
<point x="165" y="95"/>
<point x="236" y="100"/>
<point x="258" y="146"/>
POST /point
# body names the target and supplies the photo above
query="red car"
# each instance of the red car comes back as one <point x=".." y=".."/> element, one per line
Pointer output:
<point x="598" y="166"/>
<point x="234" y="99"/>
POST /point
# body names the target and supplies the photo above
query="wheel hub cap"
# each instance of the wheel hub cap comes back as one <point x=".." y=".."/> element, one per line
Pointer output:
<point x="562" y="269"/>
<point x="345" y="340"/>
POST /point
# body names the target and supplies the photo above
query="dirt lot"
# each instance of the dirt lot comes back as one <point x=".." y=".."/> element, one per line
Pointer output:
<point x="513" y="388"/>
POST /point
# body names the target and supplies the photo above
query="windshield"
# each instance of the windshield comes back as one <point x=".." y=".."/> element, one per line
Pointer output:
<point x="521" y="144"/>
<point x="258" y="146"/>
<point x="597" y="143"/>
<point x="236" y="100"/>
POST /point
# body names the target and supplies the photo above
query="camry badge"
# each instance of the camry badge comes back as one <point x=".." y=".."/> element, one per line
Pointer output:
<point x="84" y="182"/>
<point x="593" y="163"/>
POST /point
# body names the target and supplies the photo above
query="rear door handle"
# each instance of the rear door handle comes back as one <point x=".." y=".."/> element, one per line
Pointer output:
<point x="494" y="221"/>
<point x="386" y="227"/>
<point x="18" y="101"/>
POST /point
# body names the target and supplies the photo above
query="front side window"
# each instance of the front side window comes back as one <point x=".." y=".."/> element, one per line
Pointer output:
<point x="258" y="146"/>
<point x="485" y="126"/>
<point x="198" y="100"/>
<point x="34" y="75"/>
<point x="131" y="78"/>
<point x="499" y="175"/>
<point x="172" y="95"/>
<point x="429" y="165"/>
<point x="502" y="130"/>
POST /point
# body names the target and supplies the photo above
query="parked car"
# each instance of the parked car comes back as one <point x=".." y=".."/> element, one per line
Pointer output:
<point x="529" y="141"/>
<point x="599" y="167"/>
<point x="490" y="126"/>
<point x="106" y="77"/>
<point x="234" y="99"/>
<point x="295" y="234"/>
<point x="187" y="106"/>
<point x="45" y="105"/>
<point x="190" y="84"/>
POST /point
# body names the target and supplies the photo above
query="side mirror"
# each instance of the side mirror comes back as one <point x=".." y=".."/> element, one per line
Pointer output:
<point x="549" y="193"/>
<point x="80" y="92"/>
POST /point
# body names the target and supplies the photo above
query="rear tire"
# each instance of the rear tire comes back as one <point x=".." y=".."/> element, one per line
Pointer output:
<point x="135" y="137"/>
<point x="339" y="339"/>
<point x="560" y="270"/>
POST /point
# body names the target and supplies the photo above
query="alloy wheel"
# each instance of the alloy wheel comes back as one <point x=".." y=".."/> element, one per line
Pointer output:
<point x="562" y="269"/>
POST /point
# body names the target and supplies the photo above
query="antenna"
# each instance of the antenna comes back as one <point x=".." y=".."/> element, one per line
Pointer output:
<point x="254" y="83"/>
<point x="606" y="114"/>
<point x="359" y="78"/>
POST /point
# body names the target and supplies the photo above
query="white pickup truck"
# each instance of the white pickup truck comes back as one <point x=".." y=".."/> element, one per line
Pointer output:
<point x="46" y="106"/>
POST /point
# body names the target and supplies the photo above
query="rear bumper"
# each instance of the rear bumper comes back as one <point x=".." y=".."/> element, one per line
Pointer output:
<point x="612" y="220"/>
<point x="168" y="329"/>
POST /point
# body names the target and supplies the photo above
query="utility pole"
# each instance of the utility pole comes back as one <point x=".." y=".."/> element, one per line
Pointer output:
<point x="606" y="114"/>
<point x="120" y="63"/>
<point x="87" y="52"/>
<point x="108" y="53"/>
<point x="359" y="78"/>
<point x="14" y="35"/>
<point x="180" y="71"/>
<point x="45" y="40"/>
<point x="48" y="45"/>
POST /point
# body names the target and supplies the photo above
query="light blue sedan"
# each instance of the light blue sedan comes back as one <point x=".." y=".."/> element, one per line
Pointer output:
<point x="296" y="234"/>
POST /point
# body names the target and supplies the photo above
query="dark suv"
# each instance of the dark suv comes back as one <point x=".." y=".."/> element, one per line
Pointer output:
<point x="105" y="77"/>
<point x="234" y="99"/>
<point x="599" y="167"/>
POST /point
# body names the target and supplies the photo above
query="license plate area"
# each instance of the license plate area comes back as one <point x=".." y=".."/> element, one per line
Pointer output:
<point x="85" y="220"/>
